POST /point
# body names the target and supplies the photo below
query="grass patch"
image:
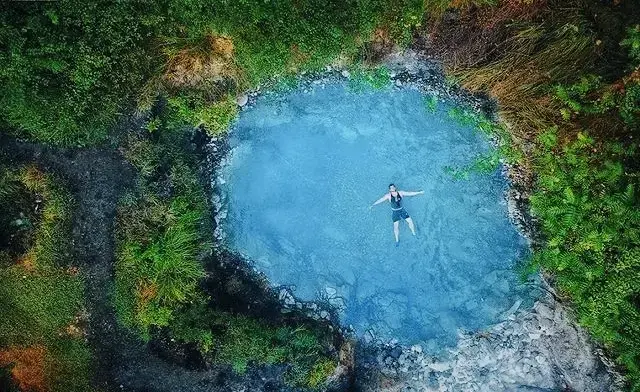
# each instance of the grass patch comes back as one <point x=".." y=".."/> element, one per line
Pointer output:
<point x="41" y="297"/>
<point x="160" y="238"/>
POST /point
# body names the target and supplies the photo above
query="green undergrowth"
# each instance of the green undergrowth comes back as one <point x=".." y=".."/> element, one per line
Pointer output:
<point x="70" y="68"/>
<point x="163" y="233"/>
<point x="41" y="295"/>
<point x="587" y="200"/>
<point x="240" y="341"/>
<point x="584" y="154"/>
<point x="160" y="235"/>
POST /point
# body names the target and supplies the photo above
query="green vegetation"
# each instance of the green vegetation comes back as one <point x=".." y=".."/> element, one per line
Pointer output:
<point x="589" y="210"/>
<point x="589" y="207"/>
<point x="362" y="78"/>
<point x="485" y="163"/>
<point x="41" y="296"/>
<point x="214" y="117"/>
<point x="70" y="69"/>
<point x="580" y="129"/>
<point x="159" y="237"/>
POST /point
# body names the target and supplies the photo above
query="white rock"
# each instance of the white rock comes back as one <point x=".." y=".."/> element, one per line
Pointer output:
<point x="242" y="99"/>
<point x="440" y="366"/>
<point x="345" y="74"/>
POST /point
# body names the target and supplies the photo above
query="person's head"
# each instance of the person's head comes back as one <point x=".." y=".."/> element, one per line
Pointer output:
<point x="392" y="187"/>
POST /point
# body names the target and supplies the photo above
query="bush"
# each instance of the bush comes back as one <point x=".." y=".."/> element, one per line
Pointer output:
<point x="246" y="340"/>
<point x="162" y="232"/>
<point x="157" y="270"/>
<point x="192" y="111"/>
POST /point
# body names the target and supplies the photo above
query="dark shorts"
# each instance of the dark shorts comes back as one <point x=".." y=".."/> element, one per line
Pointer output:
<point x="399" y="214"/>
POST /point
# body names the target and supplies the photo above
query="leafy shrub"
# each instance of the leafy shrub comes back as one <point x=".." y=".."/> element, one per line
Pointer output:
<point x="247" y="340"/>
<point x="589" y="211"/>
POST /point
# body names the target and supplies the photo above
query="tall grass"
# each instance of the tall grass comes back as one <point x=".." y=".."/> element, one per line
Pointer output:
<point x="536" y="57"/>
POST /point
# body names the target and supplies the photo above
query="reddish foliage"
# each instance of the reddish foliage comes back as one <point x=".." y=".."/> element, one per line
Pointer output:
<point x="147" y="291"/>
<point x="28" y="367"/>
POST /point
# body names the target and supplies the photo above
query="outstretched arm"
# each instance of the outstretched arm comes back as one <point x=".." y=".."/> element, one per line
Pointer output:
<point x="380" y="200"/>
<point x="405" y="193"/>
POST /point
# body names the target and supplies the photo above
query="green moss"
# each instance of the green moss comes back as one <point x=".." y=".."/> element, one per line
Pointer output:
<point x="362" y="78"/>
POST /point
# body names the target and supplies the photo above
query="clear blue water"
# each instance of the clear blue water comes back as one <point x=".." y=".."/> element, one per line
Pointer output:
<point x="303" y="171"/>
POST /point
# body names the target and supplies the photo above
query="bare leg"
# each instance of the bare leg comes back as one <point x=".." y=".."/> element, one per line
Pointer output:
<point x="411" y="226"/>
<point x="396" y="230"/>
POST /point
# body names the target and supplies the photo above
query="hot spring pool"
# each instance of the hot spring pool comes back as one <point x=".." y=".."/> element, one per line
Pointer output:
<point x="303" y="170"/>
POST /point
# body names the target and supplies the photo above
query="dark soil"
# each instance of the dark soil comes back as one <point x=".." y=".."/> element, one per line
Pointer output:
<point x="19" y="213"/>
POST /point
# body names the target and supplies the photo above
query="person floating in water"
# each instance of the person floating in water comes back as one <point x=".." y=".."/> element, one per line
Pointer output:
<point x="398" y="212"/>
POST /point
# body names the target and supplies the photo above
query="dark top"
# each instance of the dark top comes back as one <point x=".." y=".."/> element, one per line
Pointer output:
<point x="395" y="201"/>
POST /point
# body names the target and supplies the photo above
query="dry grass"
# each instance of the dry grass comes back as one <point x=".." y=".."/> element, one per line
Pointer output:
<point x="210" y="60"/>
<point x="27" y="367"/>
<point x="207" y="64"/>
<point x="536" y="58"/>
